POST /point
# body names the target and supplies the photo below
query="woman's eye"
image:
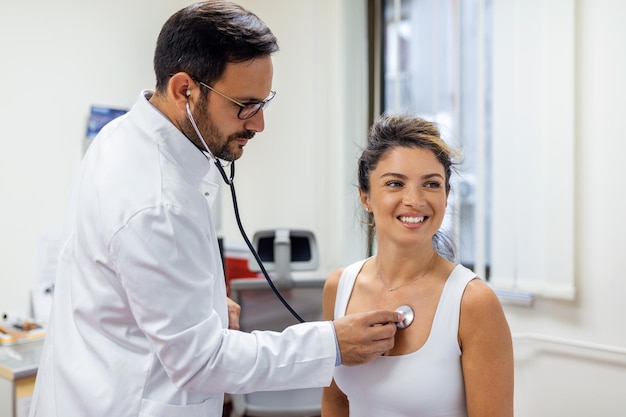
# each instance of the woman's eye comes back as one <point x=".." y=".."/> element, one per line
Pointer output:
<point x="394" y="184"/>
<point x="433" y="184"/>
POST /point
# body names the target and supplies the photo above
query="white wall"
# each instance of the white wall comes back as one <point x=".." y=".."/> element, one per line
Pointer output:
<point x="58" y="58"/>
<point x="56" y="61"/>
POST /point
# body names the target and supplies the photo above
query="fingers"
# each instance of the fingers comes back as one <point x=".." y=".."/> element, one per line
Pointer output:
<point x="365" y="336"/>
<point x="234" y="310"/>
<point x="378" y="317"/>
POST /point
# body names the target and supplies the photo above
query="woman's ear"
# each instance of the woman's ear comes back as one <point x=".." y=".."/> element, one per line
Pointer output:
<point x="364" y="197"/>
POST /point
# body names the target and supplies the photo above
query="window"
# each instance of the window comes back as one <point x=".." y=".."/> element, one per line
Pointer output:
<point x="497" y="77"/>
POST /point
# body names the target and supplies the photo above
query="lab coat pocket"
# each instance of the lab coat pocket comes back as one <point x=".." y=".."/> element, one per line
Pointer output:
<point x="151" y="408"/>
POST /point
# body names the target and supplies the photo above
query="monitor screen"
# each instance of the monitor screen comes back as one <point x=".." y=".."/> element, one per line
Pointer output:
<point x="300" y="249"/>
<point x="303" y="250"/>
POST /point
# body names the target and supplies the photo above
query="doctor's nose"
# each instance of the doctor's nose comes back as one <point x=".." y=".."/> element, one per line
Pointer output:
<point x="256" y="122"/>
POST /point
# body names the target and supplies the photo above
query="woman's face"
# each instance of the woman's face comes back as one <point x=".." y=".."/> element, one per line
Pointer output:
<point x="407" y="195"/>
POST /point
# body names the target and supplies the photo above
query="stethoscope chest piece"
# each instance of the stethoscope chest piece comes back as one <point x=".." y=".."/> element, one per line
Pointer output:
<point x="407" y="313"/>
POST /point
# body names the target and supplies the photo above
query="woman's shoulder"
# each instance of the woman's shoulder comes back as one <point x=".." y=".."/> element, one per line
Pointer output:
<point x="334" y="277"/>
<point x="331" y="287"/>
<point x="480" y="306"/>
<point x="478" y="292"/>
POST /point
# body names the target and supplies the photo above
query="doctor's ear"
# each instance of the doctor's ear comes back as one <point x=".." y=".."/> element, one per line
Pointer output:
<point x="180" y="86"/>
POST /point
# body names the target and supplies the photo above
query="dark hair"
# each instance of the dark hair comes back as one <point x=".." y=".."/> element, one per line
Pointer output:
<point x="203" y="37"/>
<point x="389" y="132"/>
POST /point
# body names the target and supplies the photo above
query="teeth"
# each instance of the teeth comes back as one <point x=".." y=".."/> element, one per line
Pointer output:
<point x="405" y="219"/>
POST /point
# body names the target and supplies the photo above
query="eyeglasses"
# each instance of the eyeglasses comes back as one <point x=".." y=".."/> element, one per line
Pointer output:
<point x="248" y="109"/>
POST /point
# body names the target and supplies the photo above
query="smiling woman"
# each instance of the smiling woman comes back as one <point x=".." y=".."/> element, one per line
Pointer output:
<point x="456" y="357"/>
<point x="420" y="136"/>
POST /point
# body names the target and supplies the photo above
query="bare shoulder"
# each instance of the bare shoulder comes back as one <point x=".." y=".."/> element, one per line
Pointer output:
<point x="481" y="313"/>
<point x="330" y="293"/>
<point x="332" y="281"/>
<point x="479" y="296"/>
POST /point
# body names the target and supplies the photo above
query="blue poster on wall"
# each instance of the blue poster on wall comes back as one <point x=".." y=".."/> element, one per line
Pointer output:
<point x="99" y="116"/>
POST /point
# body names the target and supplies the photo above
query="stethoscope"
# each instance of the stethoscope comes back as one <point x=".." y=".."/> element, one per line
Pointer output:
<point x="405" y="310"/>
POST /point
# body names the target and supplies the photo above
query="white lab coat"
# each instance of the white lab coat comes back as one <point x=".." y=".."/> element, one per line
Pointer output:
<point x="139" y="320"/>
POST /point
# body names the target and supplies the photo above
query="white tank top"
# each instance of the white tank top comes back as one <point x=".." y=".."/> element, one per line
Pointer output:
<point x="424" y="383"/>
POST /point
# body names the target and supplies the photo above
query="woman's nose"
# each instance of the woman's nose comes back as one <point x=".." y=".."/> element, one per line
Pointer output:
<point x="413" y="197"/>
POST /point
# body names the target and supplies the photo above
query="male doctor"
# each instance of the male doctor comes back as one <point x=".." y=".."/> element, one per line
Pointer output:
<point x="140" y="324"/>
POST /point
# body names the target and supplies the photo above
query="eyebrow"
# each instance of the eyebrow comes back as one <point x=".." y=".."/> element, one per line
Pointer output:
<point x="424" y="177"/>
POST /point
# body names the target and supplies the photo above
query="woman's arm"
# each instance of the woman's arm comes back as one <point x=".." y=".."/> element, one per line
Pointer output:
<point x="334" y="402"/>
<point x="487" y="353"/>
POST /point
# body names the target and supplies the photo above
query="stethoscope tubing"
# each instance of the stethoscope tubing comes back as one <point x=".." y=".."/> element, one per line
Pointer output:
<point x="230" y="181"/>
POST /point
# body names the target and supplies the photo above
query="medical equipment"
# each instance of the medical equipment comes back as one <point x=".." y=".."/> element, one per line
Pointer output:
<point x="407" y="316"/>
<point x="405" y="310"/>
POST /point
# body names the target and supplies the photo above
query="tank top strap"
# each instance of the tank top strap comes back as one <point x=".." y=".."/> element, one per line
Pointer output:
<point x="446" y="321"/>
<point x="345" y="286"/>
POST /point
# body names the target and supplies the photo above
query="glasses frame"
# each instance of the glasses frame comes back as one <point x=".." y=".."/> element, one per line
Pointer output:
<point x="258" y="104"/>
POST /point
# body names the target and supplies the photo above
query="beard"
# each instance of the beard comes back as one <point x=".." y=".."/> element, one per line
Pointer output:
<point x="221" y="146"/>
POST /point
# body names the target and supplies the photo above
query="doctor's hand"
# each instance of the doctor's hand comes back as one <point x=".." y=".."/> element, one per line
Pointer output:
<point x="365" y="336"/>
<point x="234" y="310"/>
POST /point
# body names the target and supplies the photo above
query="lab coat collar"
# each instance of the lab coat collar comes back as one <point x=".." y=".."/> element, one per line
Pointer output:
<point x="172" y="142"/>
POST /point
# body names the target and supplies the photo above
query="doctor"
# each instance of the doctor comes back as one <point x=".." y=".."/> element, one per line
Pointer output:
<point x="140" y="324"/>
